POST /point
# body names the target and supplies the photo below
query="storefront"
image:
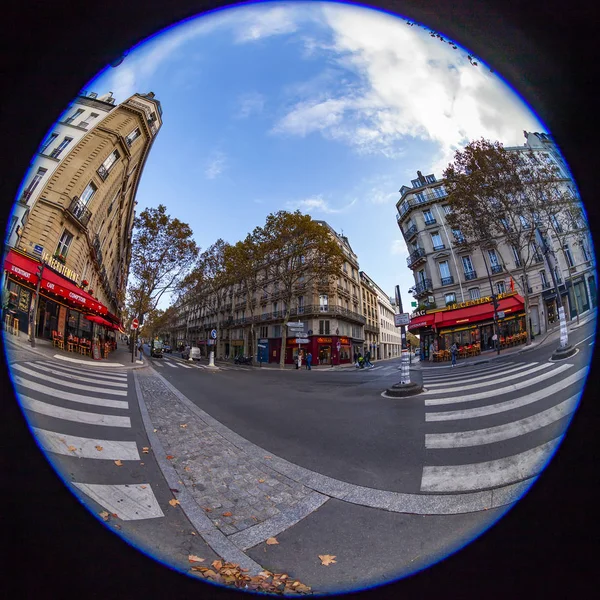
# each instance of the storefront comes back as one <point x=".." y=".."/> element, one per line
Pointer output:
<point x="62" y="305"/>
<point x="237" y="348"/>
<point x="468" y="323"/>
<point x="549" y="298"/>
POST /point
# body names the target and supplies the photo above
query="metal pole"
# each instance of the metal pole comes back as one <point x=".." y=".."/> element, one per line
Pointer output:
<point x="405" y="364"/>
<point x="33" y="315"/>
<point x="495" y="302"/>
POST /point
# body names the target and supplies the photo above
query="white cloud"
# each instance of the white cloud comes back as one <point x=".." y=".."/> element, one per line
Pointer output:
<point x="216" y="165"/>
<point x="398" y="248"/>
<point x="317" y="204"/>
<point x="410" y="86"/>
<point x="250" y="103"/>
<point x="257" y="22"/>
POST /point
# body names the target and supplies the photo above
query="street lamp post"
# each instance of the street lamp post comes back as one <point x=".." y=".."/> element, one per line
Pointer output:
<point x="34" y="308"/>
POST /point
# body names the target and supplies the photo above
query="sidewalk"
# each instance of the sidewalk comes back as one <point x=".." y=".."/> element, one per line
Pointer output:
<point x="489" y="355"/>
<point x="119" y="358"/>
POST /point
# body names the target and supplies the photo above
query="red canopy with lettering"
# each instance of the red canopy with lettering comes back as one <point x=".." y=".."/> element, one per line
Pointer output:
<point x="480" y="312"/>
<point x="22" y="267"/>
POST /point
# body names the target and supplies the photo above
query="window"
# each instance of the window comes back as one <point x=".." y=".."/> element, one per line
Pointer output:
<point x="58" y="150"/>
<point x="300" y="304"/>
<point x="557" y="226"/>
<point x="467" y="264"/>
<point x="436" y="239"/>
<point x="323" y="302"/>
<point x="458" y="236"/>
<point x="34" y="182"/>
<point x="264" y="331"/>
<point x="87" y="120"/>
<point x="444" y="269"/>
<point x="450" y="298"/>
<point x="569" y="256"/>
<point x="108" y="164"/>
<point x="134" y="135"/>
<point x="420" y="197"/>
<point x="516" y="256"/>
<point x="505" y="224"/>
<point x="64" y="243"/>
<point x="275" y="307"/>
<point x="11" y="228"/>
<point x="474" y="294"/>
<point x="74" y="115"/>
<point x="277" y="331"/>
<point x="430" y="179"/>
<point x="429" y="220"/>
<point x="88" y="193"/>
<point x="544" y="280"/>
<point x="493" y="258"/>
<point x="524" y="222"/>
<point x="500" y="287"/>
<point x="439" y="192"/>
<point x="323" y="327"/>
<point x="446" y="208"/>
<point x="48" y="141"/>
<point x="585" y="251"/>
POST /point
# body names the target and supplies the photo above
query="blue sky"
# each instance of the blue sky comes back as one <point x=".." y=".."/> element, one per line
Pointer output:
<point x="328" y="108"/>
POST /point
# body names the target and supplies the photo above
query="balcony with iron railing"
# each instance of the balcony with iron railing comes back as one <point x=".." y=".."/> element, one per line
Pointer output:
<point x="447" y="280"/>
<point x="410" y="232"/>
<point x="417" y="200"/>
<point x="470" y="275"/>
<point x="546" y="285"/>
<point x="423" y="287"/>
<point x="97" y="250"/>
<point x="415" y="257"/>
<point x="80" y="211"/>
<point x="439" y="247"/>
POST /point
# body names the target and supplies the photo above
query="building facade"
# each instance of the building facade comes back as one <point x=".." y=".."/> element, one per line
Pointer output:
<point x="370" y="310"/>
<point x="78" y="228"/>
<point x="85" y="113"/>
<point x="452" y="286"/>
<point x="332" y="318"/>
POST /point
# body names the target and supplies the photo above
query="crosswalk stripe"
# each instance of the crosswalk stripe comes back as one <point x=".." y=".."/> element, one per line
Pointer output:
<point x="63" y="369"/>
<point x="492" y="473"/>
<point x="461" y="371"/>
<point x="55" y="393"/>
<point x="461" y="384"/>
<point x="68" y="414"/>
<point x="69" y="384"/>
<point x="186" y="366"/>
<point x="85" y="447"/>
<point x="158" y="364"/>
<point x="23" y="369"/>
<point x="477" y="376"/>
<point x="489" y="435"/>
<point x="497" y="392"/>
<point x="492" y="409"/>
<point x="171" y="365"/>
<point x="129" y="502"/>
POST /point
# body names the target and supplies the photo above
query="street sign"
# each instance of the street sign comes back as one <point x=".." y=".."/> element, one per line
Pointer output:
<point x="302" y="340"/>
<point x="213" y="334"/>
<point x="296" y="324"/>
<point x="401" y="319"/>
<point x="413" y="304"/>
<point x="261" y="346"/>
<point x="211" y="342"/>
<point x="501" y="315"/>
<point x="338" y="346"/>
<point x="135" y="324"/>
<point x="38" y="249"/>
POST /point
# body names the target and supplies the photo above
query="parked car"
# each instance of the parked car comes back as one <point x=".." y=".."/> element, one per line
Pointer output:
<point x="167" y="348"/>
<point x="192" y="352"/>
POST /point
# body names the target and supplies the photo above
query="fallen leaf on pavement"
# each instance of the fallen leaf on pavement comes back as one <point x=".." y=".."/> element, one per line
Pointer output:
<point x="193" y="533"/>
<point x="104" y="515"/>
<point x="115" y="515"/>
<point x="227" y="514"/>
<point x="269" y="457"/>
<point x="327" y="559"/>
<point x="187" y="469"/>
<point x="174" y="490"/>
<point x="72" y="448"/>
<point x="217" y="564"/>
<point x="155" y="430"/>
<point x="174" y="502"/>
<point x="271" y="541"/>
<point x="208" y="509"/>
<point x="143" y="486"/>
<point x="183" y="426"/>
<point x="261" y="481"/>
<point x="116" y="526"/>
<point x="118" y="463"/>
<point x="193" y="558"/>
<point x="170" y="457"/>
<point x="99" y="448"/>
<point x="145" y="449"/>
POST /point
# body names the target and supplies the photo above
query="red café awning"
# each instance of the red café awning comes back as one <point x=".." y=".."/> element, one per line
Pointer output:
<point x="470" y="314"/>
<point x="100" y="321"/>
<point x="25" y="268"/>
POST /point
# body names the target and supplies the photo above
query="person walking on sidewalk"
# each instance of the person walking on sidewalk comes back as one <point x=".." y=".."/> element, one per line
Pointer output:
<point x="368" y="358"/>
<point x="140" y="349"/>
<point x="454" y="352"/>
<point x="309" y="361"/>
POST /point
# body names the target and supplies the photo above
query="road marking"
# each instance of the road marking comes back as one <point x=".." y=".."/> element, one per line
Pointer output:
<point x="492" y="473"/>
<point x="85" y="447"/>
<point x="186" y="366"/>
<point x="497" y="392"/>
<point x="585" y="340"/>
<point x="129" y="502"/>
<point x="462" y="371"/>
<point x="171" y="365"/>
<point x="75" y="371"/>
<point x="478" y="377"/>
<point x="87" y="362"/>
<point x="459" y="386"/>
<point x="492" y="409"/>
<point x="158" y="364"/>
<point x="23" y="369"/>
<point x="489" y="435"/>
<point x="55" y="393"/>
<point x="69" y="414"/>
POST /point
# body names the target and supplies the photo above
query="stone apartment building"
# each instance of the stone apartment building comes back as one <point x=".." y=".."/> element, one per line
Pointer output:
<point x="80" y="218"/>
<point x="333" y="318"/>
<point x="370" y="310"/>
<point x="452" y="286"/>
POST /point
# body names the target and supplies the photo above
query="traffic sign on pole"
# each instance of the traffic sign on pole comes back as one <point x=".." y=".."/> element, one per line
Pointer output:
<point x="401" y="319"/>
<point x="135" y="324"/>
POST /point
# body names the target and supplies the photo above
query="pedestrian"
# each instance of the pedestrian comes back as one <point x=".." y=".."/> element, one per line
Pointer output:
<point x="454" y="352"/>
<point x="299" y="360"/>
<point x="309" y="361"/>
<point x="431" y="352"/>
<point x="495" y="341"/>
<point x="140" y="349"/>
<point x="368" y="358"/>
<point x="355" y="358"/>
<point x="359" y="359"/>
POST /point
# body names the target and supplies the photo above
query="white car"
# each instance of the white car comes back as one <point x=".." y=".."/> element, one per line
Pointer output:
<point x="193" y="353"/>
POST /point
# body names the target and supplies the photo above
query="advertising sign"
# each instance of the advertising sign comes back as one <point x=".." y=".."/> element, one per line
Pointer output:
<point x="401" y="319"/>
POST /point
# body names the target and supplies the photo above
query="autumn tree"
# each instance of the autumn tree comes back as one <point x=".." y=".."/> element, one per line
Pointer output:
<point x="299" y="254"/>
<point x="490" y="200"/>
<point x="163" y="251"/>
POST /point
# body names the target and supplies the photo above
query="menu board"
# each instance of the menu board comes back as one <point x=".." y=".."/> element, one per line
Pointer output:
<point x="62" y="317"/>
<point x="96" y="351"/>
<point x="24" y="300"/>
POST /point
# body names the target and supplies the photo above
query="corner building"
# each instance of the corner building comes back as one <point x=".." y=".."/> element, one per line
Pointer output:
<point x="79" y="227"/>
